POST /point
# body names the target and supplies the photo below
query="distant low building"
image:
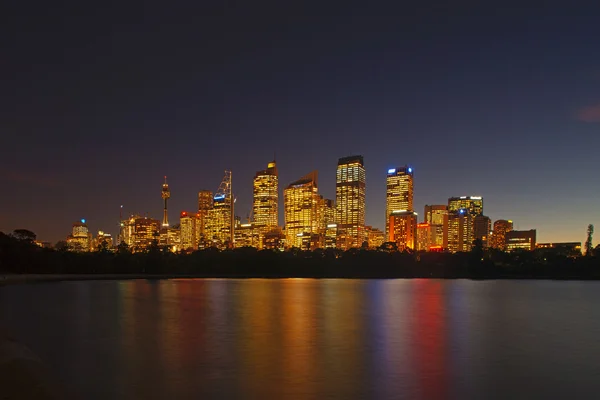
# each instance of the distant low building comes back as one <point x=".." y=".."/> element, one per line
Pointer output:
<point x="521" y="240"/>
<point x="80" y="239"/>
<point x="568" y="249"/>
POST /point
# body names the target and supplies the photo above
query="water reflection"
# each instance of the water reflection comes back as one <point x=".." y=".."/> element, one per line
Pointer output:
<point x="311" y="339"/>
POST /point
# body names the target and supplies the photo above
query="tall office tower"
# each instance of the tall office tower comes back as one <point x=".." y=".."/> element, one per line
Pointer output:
<point x="473" y="204"/>
<point x="301" y="200"/>
<point x="482" y="226"/>
<point x="350" y="199"/>
<point x="188" y="230"/>
<point x="205" y="203"/>
<point x="127" y="232"/>
<point x="146" y="231"/>
<point x="461" y="232"/>
<point x="221" y="225"/>
<point x="426" y="237"/>
<point x="437" y="217"/>
<point x="399" y="195"/>
<point x="403" y="229"/>
<point x="166" y="194"/>
<point x="461" y="220"/>
<point x="329" y="213"/>
<point x="80" y="238"/>
<point x="501" y="228"/>
<point x="265" y="199"/>
<point x="521" y="240"/>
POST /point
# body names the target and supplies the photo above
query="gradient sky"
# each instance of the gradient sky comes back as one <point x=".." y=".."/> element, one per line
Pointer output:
<point x="98" y="103"/>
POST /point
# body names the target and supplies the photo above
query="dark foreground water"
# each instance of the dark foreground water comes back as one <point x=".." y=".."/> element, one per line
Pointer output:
<point x="313" y="339"/>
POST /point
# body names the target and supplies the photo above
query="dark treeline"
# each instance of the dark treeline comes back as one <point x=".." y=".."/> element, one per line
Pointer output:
<point x="19" y="254"/>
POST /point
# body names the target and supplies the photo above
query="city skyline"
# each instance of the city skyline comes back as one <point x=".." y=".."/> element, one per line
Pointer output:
<point x="502" y="104"/>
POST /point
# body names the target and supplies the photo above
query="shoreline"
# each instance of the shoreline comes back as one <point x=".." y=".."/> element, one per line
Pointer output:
<point x="19" y="279"/>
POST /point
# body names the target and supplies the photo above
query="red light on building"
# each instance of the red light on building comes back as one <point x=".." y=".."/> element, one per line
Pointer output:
<point x="437" y="249"/>
<point x="183" y="214"/>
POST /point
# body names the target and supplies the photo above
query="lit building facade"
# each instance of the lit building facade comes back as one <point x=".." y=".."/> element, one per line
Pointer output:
<point x="567" y="249"/>
<point x="473" y="204"/>
<point x="501" y="228"/>
<point x="399" y="194"/>
<point x="521" y="240"/>
<point x="461" y="232"/>
<point x="350" y="199"/>
<point x="426" y="236"/>
<point x="80" y="239"/>
<point x="146" y="232"/>
<point x="403" y="229"/>
<point x="437" y="216"/>
<point x="219" y="222"/>
<point x="103" y="240"/>
<point x="375" y="237"/>
<point x="274" y="240"/>
<point x="482" y="229"/>
<point x="247" y="235"/>
<point x="205" y="203"/>
<point x="189" y="231"/>
<point x="301" y="203"/>
<point x="331" y="234"/>
<point x="265" y="199"/>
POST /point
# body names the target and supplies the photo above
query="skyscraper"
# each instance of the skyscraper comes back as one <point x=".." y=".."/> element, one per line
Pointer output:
<point x="205" y="203"/>
<point x="301" y="200"/>
<point x="473" y="204"/>
<point x="220" y="224"/>
<point x="462" y="212"/>
<point x="425" y="236"/>
<point x="482" y="228"/>
<point x="146" y="231"/>
<point x="403" y="229"/>
<point x="265" y="199"/>
<point x="437" y="217"/>
<point x="399" y="195"/>
<point x="501" y="228"/>
<point x="350" y="199"/>
<point x="80" y="239"/>
<point x="188" y="230"/>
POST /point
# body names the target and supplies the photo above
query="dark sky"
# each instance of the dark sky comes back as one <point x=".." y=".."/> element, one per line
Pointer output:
<point x="98" y="103"/>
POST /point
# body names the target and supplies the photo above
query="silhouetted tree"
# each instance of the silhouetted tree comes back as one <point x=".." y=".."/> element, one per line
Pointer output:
<point x="61" y="245"/>
<point x="24" y="235"/>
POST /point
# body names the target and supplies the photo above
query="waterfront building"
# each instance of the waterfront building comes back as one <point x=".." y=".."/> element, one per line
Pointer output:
<point x="350" y="199"/>
<point x="403" y="229"/>
<point x="521" y="240"/>
<point x="265" y="199"/>
<point x="437" y="216"/>
<point x="482" y="226"/>
<point x="301" y="203"/>
<point x="501" y="228"/>
<point x="461" y="232"/>
<point x="399" y="194"/>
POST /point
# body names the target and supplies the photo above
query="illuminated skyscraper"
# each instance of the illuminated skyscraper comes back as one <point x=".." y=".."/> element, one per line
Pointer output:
<point x="266" y="199"/>
<point x="205" y="203"/>
<point x="188" y="230"/>
<point x="220" y="224"/>
<point x="166" y="194"/>
<point x="473" y="204"/>
<point x="501" y="228"/>
<point x="482" y="228"/>
<point x="350" y="199"/>
<point x="146" y="231"/>
<point x="399" y="194"/>
<point x="301" y="202"/>
<point x="461" y="233"/>
<point x="403" y="229"/>
<point x="80" y="239"/>
<point x="437" y="217"/>
<point x="426" y="236"/>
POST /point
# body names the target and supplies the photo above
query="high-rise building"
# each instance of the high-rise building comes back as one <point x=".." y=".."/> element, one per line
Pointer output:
<point x="166" y="194"/>
<point x="399" y="195"/>
<point x="127" y="233"/>
<point x="331" y="235"/>
<point x="437" y="217"/>
<point x="80" y="239"/>
<point x="473" y="204"/>
<point x="350" y="199"/>
<point x="329" y="213"/>
<point x="188" y="230"/>
<point x="403" y="229"/>
<point x="274" y="240"/>
<point x="301" y="203"/>
<point x="266" y="199"/>
<point x="247" y="235"/>
<point x="501" y="228"/>
<point x="461" y="233"/>
<point x="461" y="221"/>
<point x="103" y="241"/>
<point x="482" y="229"/>
<point x="521" y="240"/>
<point x="220" y="224"/>
<point x="146" y="232"/>
<point x="426" y="236"/>
<point x="205" y="203"/>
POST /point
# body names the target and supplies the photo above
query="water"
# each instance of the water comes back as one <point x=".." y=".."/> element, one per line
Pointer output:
<point x="313" y="339"/>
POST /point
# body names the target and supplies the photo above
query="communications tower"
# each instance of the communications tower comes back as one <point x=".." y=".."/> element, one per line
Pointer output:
<point x="166" y="194"/>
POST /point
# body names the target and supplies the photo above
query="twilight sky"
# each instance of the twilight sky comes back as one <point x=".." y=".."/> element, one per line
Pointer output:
<point x="99" y="102"/>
